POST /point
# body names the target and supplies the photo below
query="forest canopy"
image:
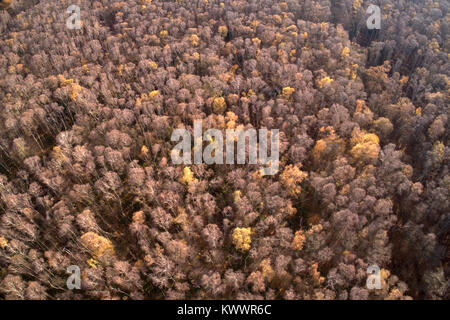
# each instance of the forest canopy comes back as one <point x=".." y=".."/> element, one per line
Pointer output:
<point x="86" y="176"/>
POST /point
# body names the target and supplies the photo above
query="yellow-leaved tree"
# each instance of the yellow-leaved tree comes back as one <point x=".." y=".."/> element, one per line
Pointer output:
<point x="188" y="176"/>
<point x="219" y="105"/>
<point x="291" y="177"/>
<point x="98" y="245"/>
<point x="242" y="238"/>
<point x="365" y="146"/>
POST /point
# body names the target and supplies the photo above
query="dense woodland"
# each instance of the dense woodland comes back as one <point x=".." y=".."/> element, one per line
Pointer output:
<point x="86" y="176"/>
